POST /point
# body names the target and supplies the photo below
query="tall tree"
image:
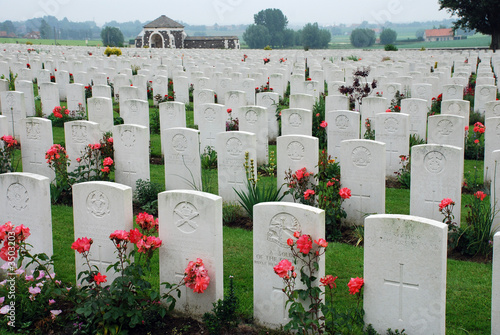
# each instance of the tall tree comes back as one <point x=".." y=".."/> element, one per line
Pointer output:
<point x="362" y="37"/>
<point x="46" y="31"/>
<point x="275" y="22"/>
<point x="315" y="38"/>
<point x="112" y="36"/>
<point x="256" y="36"/>
<point x="481" y="15"/>
<point x="388" y="36"/>
<point x="8" y="26"/>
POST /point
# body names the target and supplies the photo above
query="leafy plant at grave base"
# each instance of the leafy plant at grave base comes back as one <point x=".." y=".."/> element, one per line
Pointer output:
<point x="403" y="175"/>
<point x="209" y="158"/>
<point x="223" y="316"/>
<point x="146" y="195"/>
<point x="396" y="101"/>
<point x="319" y="123"/>
<point x="61" y="115"/>
<point x="149" y="87"/>
<point x="7" y="147"/>
<point x="475" y="238"/>
<point x="474" y="145"/>
<point x="135" y="68"/>
<point x="88" y="92"/>
<point x="360" y="87"/>
<point x="154" y="123"/>
<point x="330" y="195"/>
<point x="96" y="163"/>
<point x="230" y="212"/>
<point x="475" y="116"/>
<point x="29" y="301"/>
<point x="435" y="106"/>
<point x="60" y="188"/>
<point x="117" y="120"/>
<point x="231" y="124"/>
<point x="309" y="312"/>
<point x="268" y="169"/>
<point x="130" y="299"/>
<point x="369" y="132"/>
<point x="300" y="186"/>
<point x="352" y="57"/>
<point x="256" y="192"/>
<point x="165" y="98"/>
<point x="12" y="80"/>
<point x="416" y="140"/>
<point x="191" y="91"/>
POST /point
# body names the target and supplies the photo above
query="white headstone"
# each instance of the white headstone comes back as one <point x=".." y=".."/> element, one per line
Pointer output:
<point x="495" y="287"/>
<point x="78" y="135"/>
<point x="453" y="92"/>
<point x="100" y="208"/>
<point x="274" y="223"/>
<point x="417" y="109"/>
<point x="212" y="121"/>
<point x="26" y="87"/>
<point x="76" y="97"/>
<point x="101" y="91"/>
<point x="484" y="94"/>
<point x="491" y="143"/>
<point x="342" y="125"/>
<point x="182" y="158"/>
<point x="270" y="101"/>
<point x="36" y="139"/>
<point x="49" y="94"/>
<point x="25" y="200"/>
<point x="436" y="173"/>
<point x="190" y="227"/>
<point x="296" y="121"/>
<point x="362" y="166"/>
<point x="131" y="151"/>
<point x="405" y="274"/>
<point x="253" y="119"/>
<point x="446" y="129"/>
<point x="100" y="110"/>
<point x="295" y="152"/>
<point x="336" y="102"/>
<point x="393" y="129"/>
<point x="232" y="147"/>
<point x="14" y="108"/>
<point x="135" y="111"/>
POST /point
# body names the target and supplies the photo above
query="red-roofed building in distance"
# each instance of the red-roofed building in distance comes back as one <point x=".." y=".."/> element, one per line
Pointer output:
<point x="443" y="34"/>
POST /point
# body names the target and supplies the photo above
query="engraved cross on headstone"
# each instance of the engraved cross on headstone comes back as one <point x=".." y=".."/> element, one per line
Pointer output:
<point x="36" y="161"/>
<point x="391" y="152"/>
<point x="211" y="139"/>
<point x="11" y="121"/>
<point x="401" y="284"/>
<point x="233" y="176"/>
<point x="129" y="172"/>
<point x="433" y="202"/>
<point x="278" y="296"/>
<point x="361" y="196"/>
<point x="102" y="265"/>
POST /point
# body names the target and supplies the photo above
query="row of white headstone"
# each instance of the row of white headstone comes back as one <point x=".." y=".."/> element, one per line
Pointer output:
<point x="404" y="256"/>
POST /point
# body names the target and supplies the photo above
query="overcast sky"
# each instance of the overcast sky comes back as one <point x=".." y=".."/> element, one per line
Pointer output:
<point x="225" y="12"/>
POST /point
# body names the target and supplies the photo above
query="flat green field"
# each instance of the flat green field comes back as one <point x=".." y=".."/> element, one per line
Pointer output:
<point x="51" y="42"/>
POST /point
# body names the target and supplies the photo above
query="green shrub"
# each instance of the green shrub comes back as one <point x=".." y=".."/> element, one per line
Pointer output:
<point x="146" y="195"/>
<point x="223" y="316"/>
<point x="209" y="158"/>
<point x="112" y="51"/>
<point x="256" y="192"/>
<point x="390" y="47"/>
